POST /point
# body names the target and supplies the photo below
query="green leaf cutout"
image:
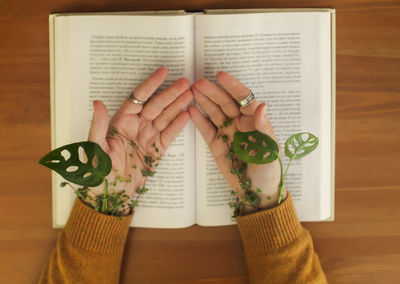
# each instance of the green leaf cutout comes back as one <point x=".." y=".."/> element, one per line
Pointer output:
<point x="73" y="169"/>
<point x="255" y="147"/>
<point x="300" y="144"/>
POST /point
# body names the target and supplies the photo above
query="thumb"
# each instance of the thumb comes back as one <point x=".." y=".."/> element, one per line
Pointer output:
<point x="99" y="128"/>
<point x="261" y="121"/>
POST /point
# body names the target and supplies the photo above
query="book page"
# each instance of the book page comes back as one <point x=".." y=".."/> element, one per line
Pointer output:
<point x="285" y="59"/>
<point x="108" y="56"/>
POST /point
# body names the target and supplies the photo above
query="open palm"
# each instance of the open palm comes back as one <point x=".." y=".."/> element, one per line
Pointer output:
<point x="138" y="135"/>
<point x="220" y="105"/>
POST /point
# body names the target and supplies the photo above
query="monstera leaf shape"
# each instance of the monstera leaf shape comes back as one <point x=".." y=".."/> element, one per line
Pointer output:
<point x="75" y="167"/>
<point x="300" y="144"/>
<point x="255" y="147"/>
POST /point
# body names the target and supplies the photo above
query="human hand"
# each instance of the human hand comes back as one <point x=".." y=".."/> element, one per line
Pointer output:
<point x="220" y="105"/>
<point x="138" y="135"/>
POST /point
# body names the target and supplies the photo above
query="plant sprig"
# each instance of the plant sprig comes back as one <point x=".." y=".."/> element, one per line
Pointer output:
<point x="245" y="197"/>
<point x="259" y="148"/>
<point x="67" y="162"/>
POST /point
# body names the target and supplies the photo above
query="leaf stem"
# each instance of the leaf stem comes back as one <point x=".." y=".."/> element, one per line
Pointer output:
<point x="75" y="189"/>
<point x="283" y="178"/>
<point x="282" y="181"/>
<point x="287" y="168"/>
<point x="70" y="185"/>
<point x="104" y="205"/>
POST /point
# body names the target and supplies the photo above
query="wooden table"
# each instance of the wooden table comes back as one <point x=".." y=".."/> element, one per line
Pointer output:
<point x="361" y="246"/>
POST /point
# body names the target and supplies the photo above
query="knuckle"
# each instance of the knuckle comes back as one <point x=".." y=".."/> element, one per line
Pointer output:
<point x="157" y="125"/>
<point x="165" y="115"/>
<point x="146" y="114"/>
<point x="163" y="140"/>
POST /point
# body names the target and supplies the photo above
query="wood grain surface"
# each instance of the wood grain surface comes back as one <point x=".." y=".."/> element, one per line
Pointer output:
<point x="361" y="246"/>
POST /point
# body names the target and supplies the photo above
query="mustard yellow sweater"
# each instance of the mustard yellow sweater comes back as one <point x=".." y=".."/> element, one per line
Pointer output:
<point x="90" y="247"/>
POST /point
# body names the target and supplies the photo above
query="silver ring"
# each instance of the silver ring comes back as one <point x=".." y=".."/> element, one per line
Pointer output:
<point x="135" y="100"/>
<point x="247" y="100"/>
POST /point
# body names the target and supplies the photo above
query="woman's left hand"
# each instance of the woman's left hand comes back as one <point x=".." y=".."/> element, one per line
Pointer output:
<point x="221" y="105"/>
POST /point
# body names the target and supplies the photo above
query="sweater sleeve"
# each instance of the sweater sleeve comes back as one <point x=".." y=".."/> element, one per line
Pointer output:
<point x="89" y="249"/>
<point x="277" y="247"/>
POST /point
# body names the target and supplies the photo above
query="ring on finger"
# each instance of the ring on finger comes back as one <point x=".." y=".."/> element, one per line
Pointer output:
<point x="135" y="100"/>
<point x="247" y="100"/>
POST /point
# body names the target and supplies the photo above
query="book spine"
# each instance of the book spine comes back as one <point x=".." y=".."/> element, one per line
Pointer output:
<point x="194" y="11"/>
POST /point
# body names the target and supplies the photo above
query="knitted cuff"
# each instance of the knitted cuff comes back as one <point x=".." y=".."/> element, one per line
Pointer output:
<point x="271" y="229"/>
<point x="95" y="232"/>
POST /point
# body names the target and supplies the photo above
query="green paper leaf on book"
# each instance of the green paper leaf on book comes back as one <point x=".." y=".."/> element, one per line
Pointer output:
<point x="255" y="147"/>
<point x="300" y="144"/>
<point x="82" y="163"/>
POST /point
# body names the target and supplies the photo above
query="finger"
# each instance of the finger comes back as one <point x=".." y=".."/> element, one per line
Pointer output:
<point x="205" y="127"/>
<point x="213" y="111"/>
<point x="217" y="147"/>
<point x="173" y="130"/>
<point x="159" y="102"/>
<point x="238" y="91"/>
<point x="261" y="121"/>
<point x="169" y="113"/>
<point x="99" y="128"/>
<point x="218" y="96"/>
<point x="143" y="91"/>
<point x="246" y="123"/>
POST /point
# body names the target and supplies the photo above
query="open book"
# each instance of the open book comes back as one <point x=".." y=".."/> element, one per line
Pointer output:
<point x="285" y="56"/>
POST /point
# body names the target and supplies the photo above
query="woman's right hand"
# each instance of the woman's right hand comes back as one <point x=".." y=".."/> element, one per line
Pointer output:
<point x="221" y="105"/>
<point x="138" y="135"/>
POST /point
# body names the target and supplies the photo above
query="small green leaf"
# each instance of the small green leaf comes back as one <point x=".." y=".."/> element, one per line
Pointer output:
<point x="73" y="169"/>
<point x="113" y="131"/>
<point x="63" y="184"/>
<point x="300" y="144"/>
<point x="141" y="190"/>
<point x="255" y="147"/>
<point x="148" y="160"/>
<point x="133" y="145"/>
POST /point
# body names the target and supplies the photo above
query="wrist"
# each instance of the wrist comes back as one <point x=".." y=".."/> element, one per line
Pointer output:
<point x="125" y="210"/>
<point x="267" y="202"/>
<point x="114" y="203"/>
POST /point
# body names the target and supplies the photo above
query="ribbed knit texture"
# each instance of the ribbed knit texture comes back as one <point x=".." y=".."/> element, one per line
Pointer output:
<point x="97" y="233"/>
<point x="269" y="230"/>
<point x="89" y="249"/>
<point x="278" y="249"/>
